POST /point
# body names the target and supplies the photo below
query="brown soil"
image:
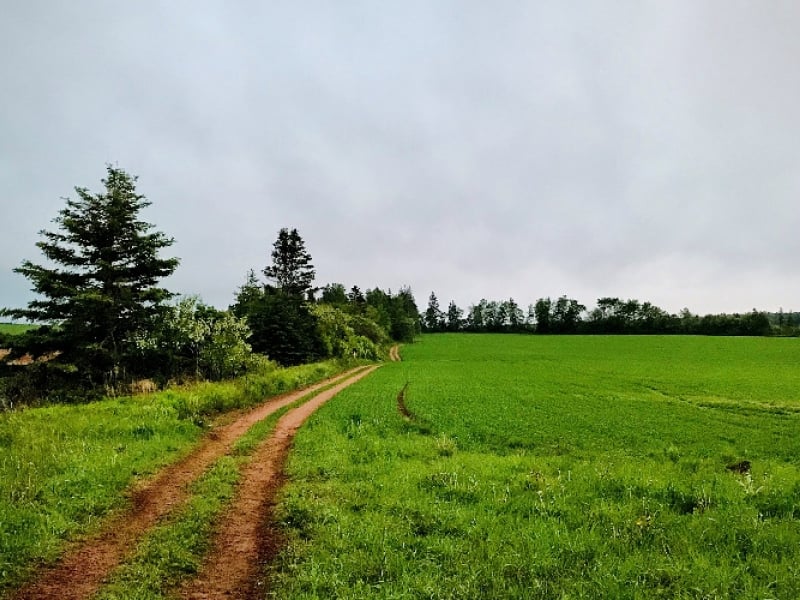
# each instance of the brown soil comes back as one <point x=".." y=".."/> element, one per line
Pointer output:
<point x="27" y="359"/>
<point x="742" y="467"/>
<point x="84" y="566"/>
<point x="243" y="543"/>
<point x="394" y="353"/>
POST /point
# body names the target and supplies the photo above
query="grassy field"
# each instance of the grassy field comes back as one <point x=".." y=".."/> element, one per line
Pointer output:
<point x="553" y="467"/>
<point x="14" y="328"/>
<point x="63" y="468"/>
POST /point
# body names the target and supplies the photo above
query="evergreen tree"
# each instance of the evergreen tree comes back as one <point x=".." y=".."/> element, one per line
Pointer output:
<point x="542" y="310"/>
<point x="516" y="318"/>
<point x="98" y="290"/>
<point x="454" y="317"/>
<point x="404" y="315"/>
<point x="291" y="268"/>
<point x="283" y="327"/>
<point x="433" y="315"/>
<point x="356" y="299"/>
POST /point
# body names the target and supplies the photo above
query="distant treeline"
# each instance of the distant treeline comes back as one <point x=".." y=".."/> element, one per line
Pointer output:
<point x="610" y="316"/>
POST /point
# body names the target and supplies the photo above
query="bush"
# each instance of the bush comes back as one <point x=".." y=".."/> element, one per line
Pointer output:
<point x="340" y="339"/>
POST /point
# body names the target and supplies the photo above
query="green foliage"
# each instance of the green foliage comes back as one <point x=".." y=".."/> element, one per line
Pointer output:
<point x="283" y="326"/>
<point x="611" y="316"/>
<point x="194" y="338"/>
<point x="553" y="467"/>
<point x="102" y="291"/>
<point x="337" y="331"/>
<point x="454" y="317"/>
<point x="396" y="313"/>
<point x="291" y="267"/>
<point x="227" y="353"/>
<point x="377" y="315"/>
<point x="433" y="319"/>
<point x="334" y="294"/>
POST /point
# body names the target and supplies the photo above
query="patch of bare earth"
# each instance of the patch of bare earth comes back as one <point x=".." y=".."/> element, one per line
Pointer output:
<point x="85" y="565"/>
<point x="27" y="359"/>
<point x="244" y="542"/>
<point x="394" y="353"/>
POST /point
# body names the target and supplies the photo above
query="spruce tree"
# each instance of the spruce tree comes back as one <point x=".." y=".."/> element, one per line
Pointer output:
<point x="433" y="315"/>
<point x="98" y="288"/>
<point x="291" y="268"/>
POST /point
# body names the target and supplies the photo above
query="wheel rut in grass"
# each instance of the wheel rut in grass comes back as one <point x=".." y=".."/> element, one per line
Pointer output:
<point x="245" y="542"/>
<point x="394" y="353"/>
<point x="85" y="565"/>
<point x="401" y="404"/>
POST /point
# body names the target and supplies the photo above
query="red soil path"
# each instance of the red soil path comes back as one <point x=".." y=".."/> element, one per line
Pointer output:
<point x="242" y="544"/>
<point x="82" y="569"/>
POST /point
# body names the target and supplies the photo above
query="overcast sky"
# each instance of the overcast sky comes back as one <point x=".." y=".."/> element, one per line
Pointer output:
<point x="479" y="149"/>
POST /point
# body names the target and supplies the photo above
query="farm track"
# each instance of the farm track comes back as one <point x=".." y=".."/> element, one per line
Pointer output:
<point x="85" y="566"/>
<point x="394" y="353"/>
<point x="245" y="540"/>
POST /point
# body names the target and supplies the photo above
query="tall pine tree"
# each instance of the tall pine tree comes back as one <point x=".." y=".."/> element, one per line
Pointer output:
<point x="291" y="267"/>
<point x="282" y="325"/>
<point x="98" y="289"/>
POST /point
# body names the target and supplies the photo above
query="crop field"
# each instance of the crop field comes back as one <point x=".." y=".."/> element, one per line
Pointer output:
<point x="553" y="467"/>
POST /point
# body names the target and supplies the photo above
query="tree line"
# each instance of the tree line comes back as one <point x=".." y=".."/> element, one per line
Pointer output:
<point x="566" y="315"/>
<point x="106" y="321"/>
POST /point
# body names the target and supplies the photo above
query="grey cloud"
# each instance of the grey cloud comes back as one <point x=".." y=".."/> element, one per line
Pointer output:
<point x="513" y="149"/>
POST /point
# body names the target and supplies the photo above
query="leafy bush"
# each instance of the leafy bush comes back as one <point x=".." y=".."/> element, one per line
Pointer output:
<point x="199" y="339"/>
<point x="339" y="336"/>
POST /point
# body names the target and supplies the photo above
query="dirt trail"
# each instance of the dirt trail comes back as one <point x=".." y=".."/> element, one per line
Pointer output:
<point x="243" y="544"/>
<point x="394" y="353"/>
<point x="83" y="568"/>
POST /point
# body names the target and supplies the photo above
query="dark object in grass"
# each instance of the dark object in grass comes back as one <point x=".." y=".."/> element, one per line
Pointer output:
<point x="741" y="467"/>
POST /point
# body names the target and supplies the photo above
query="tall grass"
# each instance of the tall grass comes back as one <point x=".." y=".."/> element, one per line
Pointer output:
<point x="63" y="468"/>
<point x="536" y="467"/>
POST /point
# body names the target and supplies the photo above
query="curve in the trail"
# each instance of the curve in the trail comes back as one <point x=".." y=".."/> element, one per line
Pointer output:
<point x="82" y="569"/>
<point x="394" y="353"/>
<point x="242" y="544"/>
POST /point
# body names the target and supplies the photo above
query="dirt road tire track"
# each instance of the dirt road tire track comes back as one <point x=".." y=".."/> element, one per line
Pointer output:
<point x="83" y="568"/>
<point x="243" y="544"/>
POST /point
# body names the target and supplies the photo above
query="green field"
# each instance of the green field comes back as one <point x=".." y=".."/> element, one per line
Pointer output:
<point x="553" y="467"/>
<point x="14" y="328"/>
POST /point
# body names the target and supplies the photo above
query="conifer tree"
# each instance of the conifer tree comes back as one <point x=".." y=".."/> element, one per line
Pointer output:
<point x="98" y="288"/>
<point x="291" y="267"/>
